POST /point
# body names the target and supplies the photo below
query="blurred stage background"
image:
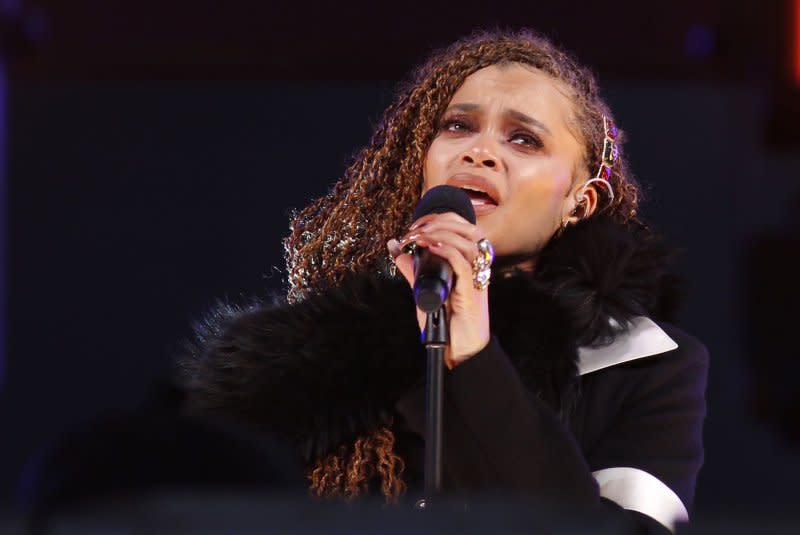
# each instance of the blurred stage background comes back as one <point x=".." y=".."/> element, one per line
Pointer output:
<point x="150" y="153"/>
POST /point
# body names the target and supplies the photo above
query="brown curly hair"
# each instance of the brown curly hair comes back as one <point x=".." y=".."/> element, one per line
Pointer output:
<point x="346" y="473"/>
<point x="347" y="229"/>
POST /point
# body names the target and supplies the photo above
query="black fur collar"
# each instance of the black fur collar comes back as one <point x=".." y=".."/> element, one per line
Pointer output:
<point x="332" y="367"/>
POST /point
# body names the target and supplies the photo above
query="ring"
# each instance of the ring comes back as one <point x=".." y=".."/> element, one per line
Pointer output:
<point x="482" y="264"/>
<point x="410" y="248"/>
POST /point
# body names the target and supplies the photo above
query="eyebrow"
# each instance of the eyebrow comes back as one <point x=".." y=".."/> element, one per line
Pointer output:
<point x="513" y="114"/>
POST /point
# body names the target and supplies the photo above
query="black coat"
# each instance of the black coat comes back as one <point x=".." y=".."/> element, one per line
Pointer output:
<point x="579" y="397"/>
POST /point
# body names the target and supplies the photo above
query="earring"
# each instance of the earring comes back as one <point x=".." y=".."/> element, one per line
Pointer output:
<point x="566" y="222"/>
<point x="582" y="204"/>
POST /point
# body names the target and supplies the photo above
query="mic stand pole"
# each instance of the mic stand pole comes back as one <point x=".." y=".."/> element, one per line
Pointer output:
<point x="435" y="339"/>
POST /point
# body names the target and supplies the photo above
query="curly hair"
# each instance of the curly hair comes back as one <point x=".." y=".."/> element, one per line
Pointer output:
<point x="346" y="473"/>
<point x="347" y="229"/>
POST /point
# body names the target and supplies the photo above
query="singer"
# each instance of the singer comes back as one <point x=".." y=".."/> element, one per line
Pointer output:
<point x="563" y="379"/>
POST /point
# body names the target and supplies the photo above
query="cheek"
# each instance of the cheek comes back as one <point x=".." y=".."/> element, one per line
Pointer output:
<point x="546" y="191"/>
<point x="435" y="165"/>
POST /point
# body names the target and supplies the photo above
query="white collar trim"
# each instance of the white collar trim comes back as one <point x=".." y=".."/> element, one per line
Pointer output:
<point x="643" y="339"/>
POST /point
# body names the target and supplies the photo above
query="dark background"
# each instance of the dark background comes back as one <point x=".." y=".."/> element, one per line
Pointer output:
<point x="150" y="154"/>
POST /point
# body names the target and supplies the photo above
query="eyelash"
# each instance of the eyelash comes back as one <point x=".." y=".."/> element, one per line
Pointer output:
<point x="532" y="141"/>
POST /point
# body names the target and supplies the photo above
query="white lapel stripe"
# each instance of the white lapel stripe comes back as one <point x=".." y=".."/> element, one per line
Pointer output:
<point x="638" y="490"/>
<point x="643" y="339"/>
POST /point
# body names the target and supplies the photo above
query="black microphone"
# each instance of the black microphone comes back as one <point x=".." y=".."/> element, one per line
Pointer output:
<point x="433" y="276"/>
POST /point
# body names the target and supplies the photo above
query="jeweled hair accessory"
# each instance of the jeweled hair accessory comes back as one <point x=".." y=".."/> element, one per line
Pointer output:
<point x="608" y="158"/>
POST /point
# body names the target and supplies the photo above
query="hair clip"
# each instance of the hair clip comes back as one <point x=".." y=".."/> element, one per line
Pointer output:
<point x="608" y="158"/>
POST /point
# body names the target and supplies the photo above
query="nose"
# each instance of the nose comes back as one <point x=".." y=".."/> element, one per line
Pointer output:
<point x="481" y="154"/>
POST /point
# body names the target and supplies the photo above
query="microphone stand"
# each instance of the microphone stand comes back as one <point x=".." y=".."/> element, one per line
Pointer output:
<point x="435" y="339"/>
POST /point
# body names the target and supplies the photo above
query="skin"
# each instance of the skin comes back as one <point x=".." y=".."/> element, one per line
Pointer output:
<point x="509" y="125"/>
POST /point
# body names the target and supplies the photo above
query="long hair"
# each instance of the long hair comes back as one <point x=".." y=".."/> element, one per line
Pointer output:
<point x="347" y="229"/>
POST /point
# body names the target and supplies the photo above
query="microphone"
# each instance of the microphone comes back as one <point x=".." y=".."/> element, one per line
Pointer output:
<point x="433" y="275"/>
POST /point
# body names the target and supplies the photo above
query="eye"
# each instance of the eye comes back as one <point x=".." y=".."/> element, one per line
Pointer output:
<point x="526" y="139"/>
<point x="456" y="125"/>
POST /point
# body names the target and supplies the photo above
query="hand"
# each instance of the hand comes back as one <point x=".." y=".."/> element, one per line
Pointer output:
<point x="453" y="238"/>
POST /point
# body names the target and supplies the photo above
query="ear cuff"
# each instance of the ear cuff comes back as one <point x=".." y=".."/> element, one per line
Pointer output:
<point x="606" y="183"/>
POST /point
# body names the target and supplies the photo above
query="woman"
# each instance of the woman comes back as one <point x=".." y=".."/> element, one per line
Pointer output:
<point x="560" y="385"/>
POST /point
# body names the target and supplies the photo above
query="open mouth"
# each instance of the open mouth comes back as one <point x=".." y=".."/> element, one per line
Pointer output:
<point x="478" y="197"/>
<point x="483" y="194"/>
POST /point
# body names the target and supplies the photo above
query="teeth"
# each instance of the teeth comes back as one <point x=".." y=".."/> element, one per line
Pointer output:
<point x="471" y="188"/>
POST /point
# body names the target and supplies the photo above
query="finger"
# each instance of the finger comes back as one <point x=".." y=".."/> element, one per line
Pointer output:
<point x="403" y="261"/>
<point x="467" y="247"/>
<point x="467" y="230"/>
<point x="395" y="249"/>
<point x="446" y="216"/>
<point x="461" y="267"/>
<point x="463" y="229"/>
<point x="405" y="265"/>
<point x="422" y="221"/>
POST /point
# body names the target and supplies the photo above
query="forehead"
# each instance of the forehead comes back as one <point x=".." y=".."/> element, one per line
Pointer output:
<point x="518" y="87"/>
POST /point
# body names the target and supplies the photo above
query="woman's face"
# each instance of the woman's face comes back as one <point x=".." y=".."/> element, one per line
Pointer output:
<point x="505" y="133"/>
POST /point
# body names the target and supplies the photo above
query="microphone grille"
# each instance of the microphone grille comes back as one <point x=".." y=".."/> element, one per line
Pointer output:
<point x="441" y="199"/>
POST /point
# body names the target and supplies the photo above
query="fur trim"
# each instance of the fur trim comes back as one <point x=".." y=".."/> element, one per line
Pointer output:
<point x="330" y="368"/>
<point x="600" y="271"/>
<point x="320" y="372"/>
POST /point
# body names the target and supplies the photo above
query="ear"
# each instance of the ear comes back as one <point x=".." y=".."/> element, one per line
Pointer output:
<point x="584" y="202"/>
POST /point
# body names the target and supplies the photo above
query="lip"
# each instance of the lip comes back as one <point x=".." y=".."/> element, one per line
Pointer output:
<point x="484" y="184"/>
<point x="483" y="209"/>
